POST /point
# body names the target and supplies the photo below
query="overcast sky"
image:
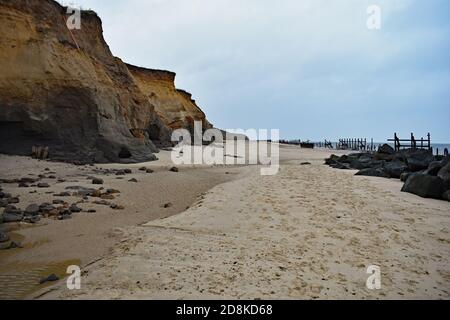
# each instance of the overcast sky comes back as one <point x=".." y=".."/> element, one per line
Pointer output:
<point x="310" y="68"/>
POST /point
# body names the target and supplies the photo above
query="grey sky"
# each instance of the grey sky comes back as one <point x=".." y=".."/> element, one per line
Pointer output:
<point x="308" y="67"/>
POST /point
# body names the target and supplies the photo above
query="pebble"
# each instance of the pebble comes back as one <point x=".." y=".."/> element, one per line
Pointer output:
<point x="43" y="185"/>
<point x="50" y="278"/>
<point x="32" y="210"/>
<point x="174" y="169"/>
<point x="3" y="237"/>
<point x="97" y="181"/>
<point x="133" y="180"/>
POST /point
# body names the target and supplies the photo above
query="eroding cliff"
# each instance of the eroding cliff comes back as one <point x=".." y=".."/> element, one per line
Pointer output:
<point x="175" y="107"/>
<point x="69" y="92"/>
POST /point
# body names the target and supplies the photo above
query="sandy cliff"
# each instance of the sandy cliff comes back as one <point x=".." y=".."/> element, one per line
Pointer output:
<point x="67" y="91"/>
<point x="175" y="107"/>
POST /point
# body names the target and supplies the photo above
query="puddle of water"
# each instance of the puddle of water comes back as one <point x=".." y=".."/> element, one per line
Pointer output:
<point x="19" y="280"/>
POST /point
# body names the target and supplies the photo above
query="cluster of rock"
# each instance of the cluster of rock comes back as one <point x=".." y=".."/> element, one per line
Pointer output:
<point x="64" y="96"/>
<point x="424" y="174"/>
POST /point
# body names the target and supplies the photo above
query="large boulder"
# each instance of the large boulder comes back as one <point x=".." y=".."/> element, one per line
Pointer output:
<point x="386" y="149"/>
<point x="424" y="185"/>
<point x="433" y="168"/>
<point x="444" y="174"/>
<point x="373" y="172"/>
<point x="395" y="168"/>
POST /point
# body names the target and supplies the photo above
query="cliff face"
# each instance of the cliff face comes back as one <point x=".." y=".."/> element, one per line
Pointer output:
<point x="69" y="92"/>
<point x="176" y="107"/>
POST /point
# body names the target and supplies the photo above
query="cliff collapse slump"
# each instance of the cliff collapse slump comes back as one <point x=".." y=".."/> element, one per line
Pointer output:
<point x="175" y="107"/>
<point x="69" y="92"/>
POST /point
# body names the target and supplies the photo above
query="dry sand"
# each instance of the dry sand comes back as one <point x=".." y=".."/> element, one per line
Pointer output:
<point x="309" y="232"/>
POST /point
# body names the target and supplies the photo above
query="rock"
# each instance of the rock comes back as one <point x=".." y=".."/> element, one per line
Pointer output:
<point x="127" y="171"/>
<point x="32" y="219"/>
<point x="395" y="168"/>
<point x="434" y="168"/>
<point x="96" y="194"/>
<point x="117" y="207"/>
<point x="59" y="201"/>
<point x="12" y="217"/>
<point x="32" y="210"/>
<point x="64" y="217"/>
<point x="97" y="181"/>
<point x="2" y="195"/>
<point x="446" y="195"/>
<point x="373" y="172"/>
<point x="3" y="203"/>
<point x="174" y="169"/>
<point x="50" y="278"/>
<point x="386" y="149"/>
<point x="143" y="169"/>
<point x="62" y="194"/>
<point x="13" y="200"/>
<point x="73" y="208"/>
<point x="424" y="185"/>
<point x="342" y="166"/>
<point x="81" y="191"/>
<point x="102" y="202"/>
<point x="3" y="237"/>
<point x="404" y="176"/>
<point x="419" y="161"/>
<point x="358" y="165"/>
<point x="120" y="173"/>
<point x="133" y="180"/>
<point x="149" y="171"/>
<point x="112" y="191"/>
<point x="43" y="185"/>
<point x="107" y="196"/>
<point x="444" y="174"/>
<point x="168" y="205"/>
<point x="23" y="185"/>
<point x="305" y="163"/>
<point x="12" y="245"/>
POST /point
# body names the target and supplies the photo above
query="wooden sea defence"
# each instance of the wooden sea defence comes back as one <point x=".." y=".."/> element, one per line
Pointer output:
<point x="412" y="143"/>
<point x="357" y="144"/>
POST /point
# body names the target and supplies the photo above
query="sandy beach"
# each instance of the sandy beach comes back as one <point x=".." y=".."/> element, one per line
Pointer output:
<point x="309" y="232"/>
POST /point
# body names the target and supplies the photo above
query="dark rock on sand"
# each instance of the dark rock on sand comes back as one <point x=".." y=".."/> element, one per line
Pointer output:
<point x="143" y="169"/>
<point x="75" y="209"/>
<point x="419" y="160"/>
<point x="3" y="237"/>
<point x="395" y="168"/>
<point x="97" y="181"/>
<point x="12" y="217"/>
<point x="386" y="149"/>
<point x="425" y="186"/>
<point x="3" y="203"/>
<point x="133" y="180"/>
<point x="149" y="171"/>
<point x="444" y="174"/>
<point x="373" y="172"/>
<point x="434" y="168"/>
<point x="305" y="163"/>
<point x="32" y="210"/>
<point x="43" y="185"/>
<point x="404" y="176"/>
<point x="174" y="169"/>
<point x="13" y="200"/>
<point x="23" y="185"/>
<point x="446" y="195"/>
<point x="62" y="194"/>
<point x="32" y="219"/>
<point x="50" y="278"/>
